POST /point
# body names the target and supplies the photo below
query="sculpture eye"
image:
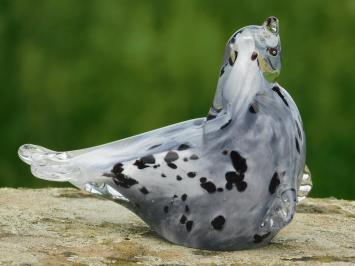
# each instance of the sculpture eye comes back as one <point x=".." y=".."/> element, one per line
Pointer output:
<point x="272" y="51"/>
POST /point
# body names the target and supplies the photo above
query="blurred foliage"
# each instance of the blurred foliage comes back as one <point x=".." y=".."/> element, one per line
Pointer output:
<point x="80" y="73"/>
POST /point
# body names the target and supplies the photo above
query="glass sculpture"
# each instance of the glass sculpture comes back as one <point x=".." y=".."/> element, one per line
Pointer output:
<point x="225" y="182"/>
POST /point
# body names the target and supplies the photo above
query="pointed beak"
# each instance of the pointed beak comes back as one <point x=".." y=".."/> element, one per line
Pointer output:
<point x="272" y="24"/>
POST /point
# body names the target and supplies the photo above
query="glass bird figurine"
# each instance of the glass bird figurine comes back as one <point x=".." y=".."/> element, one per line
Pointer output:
<point x="229" y="181"/>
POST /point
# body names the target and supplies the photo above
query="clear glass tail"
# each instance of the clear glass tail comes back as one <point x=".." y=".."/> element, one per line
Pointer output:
<point x="47" y="164"/>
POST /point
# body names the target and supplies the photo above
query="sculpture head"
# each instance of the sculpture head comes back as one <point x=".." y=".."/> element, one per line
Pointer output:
<point x="262" y="43"/>
<point x="250" y="50"/>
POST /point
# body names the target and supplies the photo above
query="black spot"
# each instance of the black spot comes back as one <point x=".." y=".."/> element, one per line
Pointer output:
<point x="253" y="109"/>
<point x="297" y="145"/>
<point x="183" y="197"/>
<point x="148" y="159"/>
<point x="233" y="177"/>
<point x="259" y="238"/>
<point x="229" y="186"/>
<point x="185" y="159"/>
<point x="154" y="146"/>
<point x="193" y="157"/>
<point x="124" y="181"/>
<point x="171" y="156"/>
<point x="220" y="189"/>
<point x="156" y="166"/>
<point x="225" y="152"/>
<point x="242" y="186"/>
<point x="163" y="175"/>
<point x="172" y="165"/>
<point x="191" y="174"/>
<point x="175" y="196"/>
<point x="222" y="71"/>
<point x="144" y="190"/>
<point x="187" y="209"/>
<point x="203" y="179"/>
<point x="166" y="209"/>
<point x="237" y="179"/>
<point x="274" y="183"/>
<point x="218" y="222"/>
<point x="239" y="163"/>
<point x="209" y="187"/>
<point x="183" y="219"/>
<point x="210" y="117"/>
<point x="140" y="164"/>
<point x="232" y="40"/>
<point x="238" y="32"/>
<point x="298" y="130"/>
<point x="277" y="90"/>
<point x="189" y="225"/>
<point x="179" y="178"/>
<point x="226" y="124"/>
<point x="117" y="169"/>
<point x="183" y="147"/>
<point x="254" y="55"/>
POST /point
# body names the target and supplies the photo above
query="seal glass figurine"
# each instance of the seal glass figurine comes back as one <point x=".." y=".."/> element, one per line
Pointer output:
<point x="226" y="182"/>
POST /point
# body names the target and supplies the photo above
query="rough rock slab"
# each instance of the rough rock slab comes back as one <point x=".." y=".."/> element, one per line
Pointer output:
<point x="59" y="226"/>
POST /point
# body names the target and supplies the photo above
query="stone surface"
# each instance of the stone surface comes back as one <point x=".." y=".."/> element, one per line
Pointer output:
<point x="59" y="226"/>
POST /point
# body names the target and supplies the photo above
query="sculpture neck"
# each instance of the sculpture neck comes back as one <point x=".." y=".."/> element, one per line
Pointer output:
<point x="238" y="83"/>
<point x="244" y="83"/>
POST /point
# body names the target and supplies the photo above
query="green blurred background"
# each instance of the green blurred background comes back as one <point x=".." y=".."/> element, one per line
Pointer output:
<point x="75" y="74"/>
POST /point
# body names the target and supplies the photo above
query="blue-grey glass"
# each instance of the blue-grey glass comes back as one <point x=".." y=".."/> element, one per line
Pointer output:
<point x="229" y="181"/>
